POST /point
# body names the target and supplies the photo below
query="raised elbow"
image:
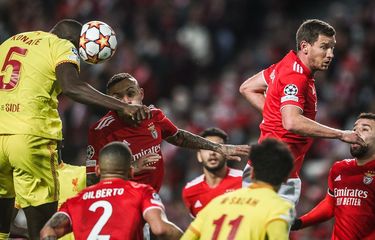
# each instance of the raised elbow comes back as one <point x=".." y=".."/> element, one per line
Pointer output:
<point x="244" y="89"/>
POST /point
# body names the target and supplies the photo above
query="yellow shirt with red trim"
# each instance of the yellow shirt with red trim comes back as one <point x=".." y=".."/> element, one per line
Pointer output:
<point x="247" y="213"/>
<point x="28" y="86"/>
<point x="72" y="180"/>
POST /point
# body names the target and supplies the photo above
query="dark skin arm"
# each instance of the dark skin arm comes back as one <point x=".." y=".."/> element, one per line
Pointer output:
<point x="189" y="140"/>
<point x="56" y="227"/>
<point x="68" y="77"/>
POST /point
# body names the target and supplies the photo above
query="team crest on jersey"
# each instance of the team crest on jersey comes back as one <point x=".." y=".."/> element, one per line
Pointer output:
<point x="368" y="178"/>
<point x="90" y="152"/>
<point x="153" y="131"/>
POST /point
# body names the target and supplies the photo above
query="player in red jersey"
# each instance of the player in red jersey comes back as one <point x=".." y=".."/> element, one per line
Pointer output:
<point x="115" y="208"/>
<point x="350" y="197"/>
<point x="285" y="95"/>
<point x="147" y="136"/>
<point x="216" y="179"/>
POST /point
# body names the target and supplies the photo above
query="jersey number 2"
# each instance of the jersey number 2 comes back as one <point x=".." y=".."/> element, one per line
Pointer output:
<point x="16" y="67"/>
<point x="235" y="223"/>
<point x="94" y="234"/>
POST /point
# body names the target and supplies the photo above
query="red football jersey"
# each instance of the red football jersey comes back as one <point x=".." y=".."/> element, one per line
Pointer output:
<point x="113" y="208"/>
<point x="197" y="194"/>
<point x="289" y="83"/>
<point x="142" y="139"/>
<point x="353" y="190"/>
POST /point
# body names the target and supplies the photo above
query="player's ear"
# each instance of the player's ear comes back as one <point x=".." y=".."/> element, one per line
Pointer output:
<point x="97" y="170"/>
<point x="199" y="157"/>
<point x="142" y="92"/>
<point x="131" y="173"/>
<point x="304" y="47"/>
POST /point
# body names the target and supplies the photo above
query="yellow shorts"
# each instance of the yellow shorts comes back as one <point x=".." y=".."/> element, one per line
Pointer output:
<point x="28" y="169"/>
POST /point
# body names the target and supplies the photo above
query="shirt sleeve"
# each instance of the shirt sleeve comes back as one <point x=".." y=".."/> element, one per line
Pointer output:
<point x="196" y="227"/>
<point x="65" y="210"/>
<point x="64" y="51"/>
<point x="95" y="143"/>
<point x="269" y="74"/>
<point x="151" y="200"/>
<point x="166" y="125"/>
<point x="292" y="90"/>
<point x="277" y="229"/>
<point x="187" y="202"/>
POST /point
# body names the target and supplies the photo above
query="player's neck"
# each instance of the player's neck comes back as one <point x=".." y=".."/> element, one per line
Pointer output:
<point x="214" y="178"/>
<point x="302" y="57"/>
<point x="365" y="160"/>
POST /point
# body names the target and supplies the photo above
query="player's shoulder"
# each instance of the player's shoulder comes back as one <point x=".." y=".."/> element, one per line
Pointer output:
<point x="157" y="113"/>
<point x="344" y="163"/>
<point x="104" y="122"/>
<point x="235" y="173"/>
<point x="291" y="66"/>
<point x="196" y="182"/>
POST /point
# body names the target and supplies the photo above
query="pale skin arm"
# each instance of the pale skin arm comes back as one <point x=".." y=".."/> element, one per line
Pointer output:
<point x="190" y="140"/>
<point x="160" y="226"/>
<point x="56" y="227"/>
<point x="253" y="89"/>
<point x="294" y="121"/>
<point x="68" y="77"/>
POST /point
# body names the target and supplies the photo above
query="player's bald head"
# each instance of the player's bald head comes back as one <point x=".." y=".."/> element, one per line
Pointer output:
<point x="68" y="29"/>
<point x="115" y="158"/>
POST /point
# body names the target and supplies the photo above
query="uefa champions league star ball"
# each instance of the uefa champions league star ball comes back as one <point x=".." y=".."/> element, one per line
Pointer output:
<point x="97" y="42"/>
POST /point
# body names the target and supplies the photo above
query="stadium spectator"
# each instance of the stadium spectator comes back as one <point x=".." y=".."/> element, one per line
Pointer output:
<point x="116" y="195"/>
<point x="146" y="137"/>
<point x="350" y="198"/>
<point x="254" y="212"/>
<point x="285" y="95"/>
<point x="37" y="66"/>
<point x="217" y="177"/>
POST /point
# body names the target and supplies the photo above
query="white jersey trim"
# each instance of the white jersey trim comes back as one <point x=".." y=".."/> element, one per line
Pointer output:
<point x="297" y="68"/>
<point x="195" y="181"/>
<point x="150" y="208"/>
<point x="264" y="79"/>
<point x="105" y="122"/>
<point x="291" y="105"/>
<point x="235" y="172"/>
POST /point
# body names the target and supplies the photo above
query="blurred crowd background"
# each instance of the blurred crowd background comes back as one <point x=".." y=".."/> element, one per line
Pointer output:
<point x="191" y="57"/>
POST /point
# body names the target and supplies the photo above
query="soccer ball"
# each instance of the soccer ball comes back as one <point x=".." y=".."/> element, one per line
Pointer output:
<point x="97" y="42"/>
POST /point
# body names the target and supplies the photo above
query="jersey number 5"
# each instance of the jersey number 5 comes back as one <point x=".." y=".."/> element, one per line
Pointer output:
<point x="94" y="234"/>
<point x="16" y="67"/>
<point x="235" y="223"/>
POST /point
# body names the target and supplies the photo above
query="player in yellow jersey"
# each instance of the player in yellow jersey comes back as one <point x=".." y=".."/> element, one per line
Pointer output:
<point x="256" y="212"/>
<point x="35" y="67"/>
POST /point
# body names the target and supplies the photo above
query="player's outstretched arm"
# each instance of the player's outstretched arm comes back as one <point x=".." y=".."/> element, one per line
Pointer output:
<point x="294" y="121"/>
<point x="321" y="213"/>
<point x="68" y="78"/>
<point x="56" y="227"/>
<point x="253" y="90"/>
<point x="190" y="140"/>
<point x="160" y="226"/>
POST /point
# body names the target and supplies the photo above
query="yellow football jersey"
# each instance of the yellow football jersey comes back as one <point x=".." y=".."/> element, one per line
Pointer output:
<point x="72" y="180"/>
<point x="243" y="214"/>
<point x="28" y="86"/>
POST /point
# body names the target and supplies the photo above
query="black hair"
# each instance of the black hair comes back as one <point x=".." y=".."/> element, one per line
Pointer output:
<point x="272" y="161"/>
<point x="115" y="156"/>
<point x="214" y="131"/>
<point x="370" y="116"/>
<point x="118" y="78"/>
<point x="310" y="30"/>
